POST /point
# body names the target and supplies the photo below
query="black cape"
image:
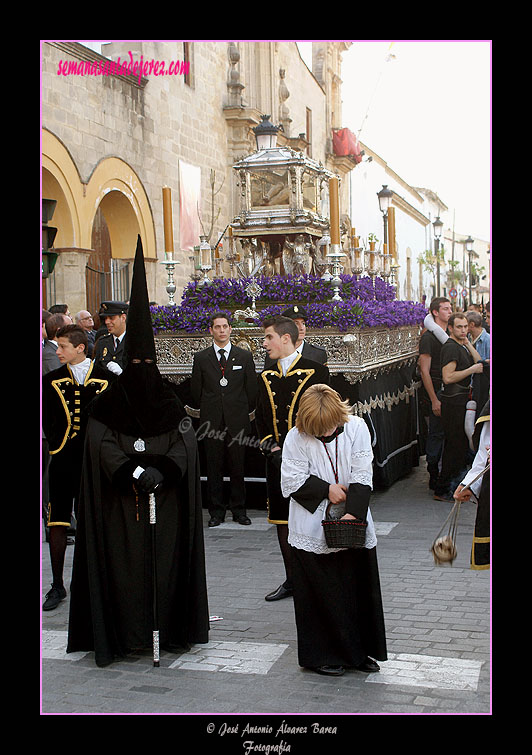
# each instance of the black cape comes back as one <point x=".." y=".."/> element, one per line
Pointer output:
<point x="111" y="606"/>
<point x="480" y="548"/>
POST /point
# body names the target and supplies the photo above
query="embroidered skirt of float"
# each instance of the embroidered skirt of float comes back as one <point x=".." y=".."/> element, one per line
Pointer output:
<point x="338" y="607"/>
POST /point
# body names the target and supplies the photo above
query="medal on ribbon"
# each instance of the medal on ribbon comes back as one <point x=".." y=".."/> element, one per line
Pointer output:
<point x="223" y="379"/>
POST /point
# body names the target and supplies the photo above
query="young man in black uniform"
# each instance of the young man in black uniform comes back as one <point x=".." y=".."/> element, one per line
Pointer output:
<point x="309" y="350"/>
<point x="279" y="393"/>
<point x="66" y="393"/>
<point x="459" y="360"/>
<point x="224" y="388"/>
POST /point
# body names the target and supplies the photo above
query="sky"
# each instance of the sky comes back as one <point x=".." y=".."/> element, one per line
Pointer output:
<point x="425" y="108"/>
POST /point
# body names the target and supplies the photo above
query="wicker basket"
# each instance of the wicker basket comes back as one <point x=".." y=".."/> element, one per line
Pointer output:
<point x="343" y="533"/>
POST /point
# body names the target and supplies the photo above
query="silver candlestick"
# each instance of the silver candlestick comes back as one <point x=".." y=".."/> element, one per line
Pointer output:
<point x="334" y="256"/>
<point x="170" y="286"/>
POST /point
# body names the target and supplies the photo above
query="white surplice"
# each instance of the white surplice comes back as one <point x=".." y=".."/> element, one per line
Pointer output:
<point x="304" y="455"/>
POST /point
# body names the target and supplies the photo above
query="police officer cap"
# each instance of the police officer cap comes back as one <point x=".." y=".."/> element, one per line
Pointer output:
<point x="113" y="308"/>
<point x="295" y="313"/>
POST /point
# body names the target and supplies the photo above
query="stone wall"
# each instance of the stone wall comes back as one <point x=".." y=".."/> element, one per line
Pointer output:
<point x="127" y="133"/>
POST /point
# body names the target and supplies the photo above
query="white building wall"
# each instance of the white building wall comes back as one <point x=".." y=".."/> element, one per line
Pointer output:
<point x="412" y="221"/>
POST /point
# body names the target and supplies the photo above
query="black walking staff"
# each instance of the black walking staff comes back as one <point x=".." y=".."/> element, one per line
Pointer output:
<point x="153" y="522"/>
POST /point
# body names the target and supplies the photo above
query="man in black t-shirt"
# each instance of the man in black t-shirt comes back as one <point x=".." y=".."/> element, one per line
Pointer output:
<point x="459" y="360"/>
<point x="430" y="372"/>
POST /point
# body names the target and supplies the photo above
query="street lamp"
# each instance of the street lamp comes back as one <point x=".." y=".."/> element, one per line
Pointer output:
<point x="437" y="226"/>
<point x="385" y="200"/>
<point x="469" y="249"/>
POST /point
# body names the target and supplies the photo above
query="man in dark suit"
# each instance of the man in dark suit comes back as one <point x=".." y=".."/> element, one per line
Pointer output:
<point x="308" y="350"/>
<point x="279" y="392"/>
<point x="224" y="387"/>
<point x="109" y="349"/>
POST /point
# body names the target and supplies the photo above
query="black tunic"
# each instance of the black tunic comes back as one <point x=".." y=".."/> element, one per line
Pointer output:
<point x="112" y="586"/>
<point x="480" y="549"/>
<point x="64" y="419"/>
<point x="277" y="404"/>
<point x="338" y="607"/>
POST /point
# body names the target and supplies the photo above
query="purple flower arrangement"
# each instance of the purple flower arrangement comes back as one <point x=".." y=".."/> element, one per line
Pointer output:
<point x="365" y="303"/>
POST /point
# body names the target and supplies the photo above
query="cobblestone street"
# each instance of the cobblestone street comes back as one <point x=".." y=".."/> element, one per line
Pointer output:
<point x="437" y="622"/>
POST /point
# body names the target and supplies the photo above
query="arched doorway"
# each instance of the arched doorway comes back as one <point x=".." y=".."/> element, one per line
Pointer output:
<point x="62" y="220"/>
<point x="98" y="222"/>
<point x="113" y="241"/>
<point x="106" y="278"/>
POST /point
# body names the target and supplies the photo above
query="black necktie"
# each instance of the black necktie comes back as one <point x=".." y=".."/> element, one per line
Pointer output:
<point x="222" y="357"/>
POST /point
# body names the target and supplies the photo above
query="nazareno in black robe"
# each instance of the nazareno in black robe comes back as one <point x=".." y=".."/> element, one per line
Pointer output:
<point x="111" y="607"/>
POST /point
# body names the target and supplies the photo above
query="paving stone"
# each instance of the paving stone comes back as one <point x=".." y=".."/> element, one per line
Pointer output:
<point x="437" y="624"/>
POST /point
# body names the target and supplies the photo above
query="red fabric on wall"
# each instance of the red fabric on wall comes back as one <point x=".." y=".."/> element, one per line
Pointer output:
<point x="346" y="143"/>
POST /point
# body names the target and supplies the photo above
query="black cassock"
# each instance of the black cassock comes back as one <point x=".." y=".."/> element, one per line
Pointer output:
<point x="111" y="607"/>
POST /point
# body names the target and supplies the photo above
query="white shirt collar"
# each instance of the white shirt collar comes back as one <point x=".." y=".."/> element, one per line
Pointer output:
<point x="287" y="361"/>
<point x="80" y="370"/>
<point x="226" y="348"/>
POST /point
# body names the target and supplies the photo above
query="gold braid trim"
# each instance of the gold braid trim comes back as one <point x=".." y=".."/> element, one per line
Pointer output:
<point x="477" y="541"/>
<point x="309" y="374"/>
<point x="71" y="380"/>
<point x="272" y="404"/>
<point x="57" y="386"/>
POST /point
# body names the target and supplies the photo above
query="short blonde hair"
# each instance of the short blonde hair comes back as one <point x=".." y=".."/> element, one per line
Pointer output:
<point x="320" y="409"/>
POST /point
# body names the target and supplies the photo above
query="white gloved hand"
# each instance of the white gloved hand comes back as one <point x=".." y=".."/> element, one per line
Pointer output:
<point x="114" y="368"/>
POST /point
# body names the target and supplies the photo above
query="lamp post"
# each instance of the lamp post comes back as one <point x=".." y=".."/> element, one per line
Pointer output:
<point x="437" y="226"/>
<point x="385" y="199"/>
<point x="469" y="249"/>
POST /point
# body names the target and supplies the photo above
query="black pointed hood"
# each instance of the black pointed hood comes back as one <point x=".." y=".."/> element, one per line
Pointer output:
<point x="139" y="342"/>
<point x="140" y="401"/>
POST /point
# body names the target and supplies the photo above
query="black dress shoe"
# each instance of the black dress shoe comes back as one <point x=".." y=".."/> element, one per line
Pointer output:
<point x="369" y="665"/>
<point x="242" y="519"/>
<point x="330" y="670"/>
<point x="53" y="598"/>
<point x="280" y="593"/>
<point x="214" y="521"/>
